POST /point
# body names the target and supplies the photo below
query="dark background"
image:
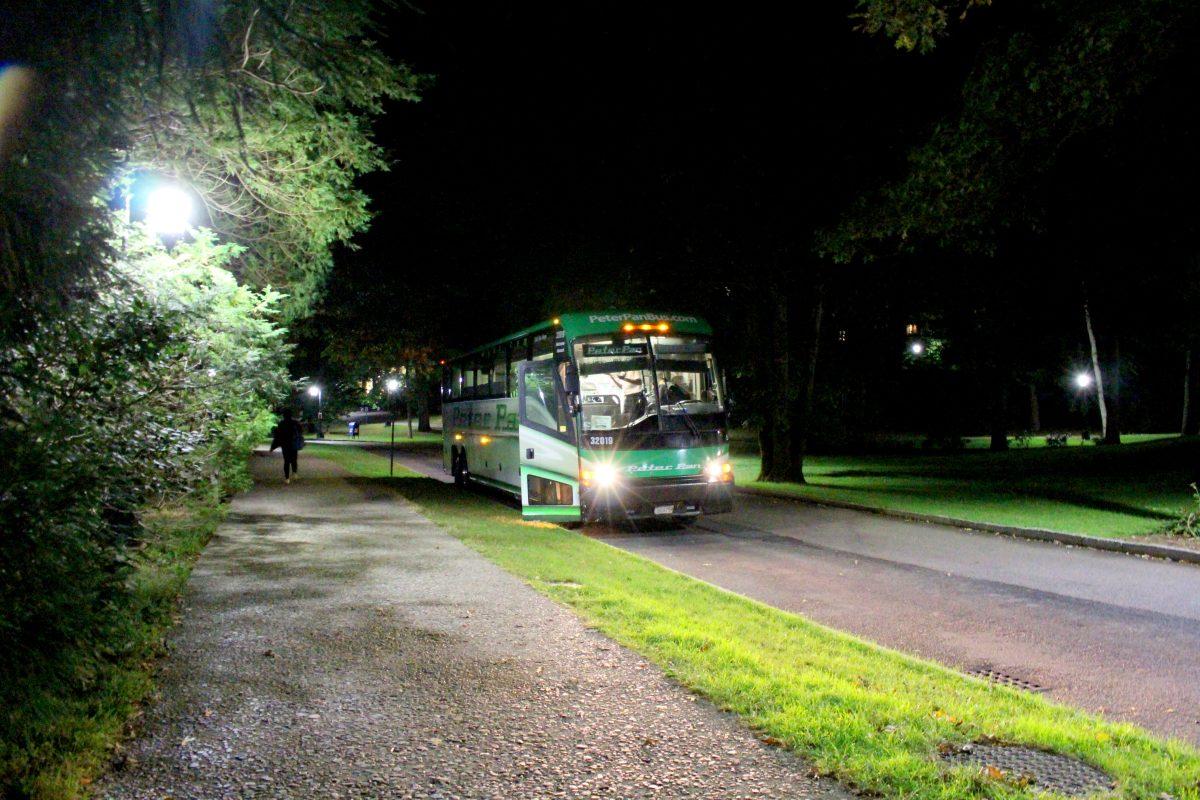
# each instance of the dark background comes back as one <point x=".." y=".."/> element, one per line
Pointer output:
<point x="569" y="156"/>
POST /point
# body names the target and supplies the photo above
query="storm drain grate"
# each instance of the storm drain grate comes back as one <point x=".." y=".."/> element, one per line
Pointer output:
<point x="1029" y="767"/>
<point x="995" y="676"/>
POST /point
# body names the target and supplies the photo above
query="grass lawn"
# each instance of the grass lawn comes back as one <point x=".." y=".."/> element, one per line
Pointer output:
<point x="379" y="432"/>
<point x="1137" y="488"/>
<point x="60" y="724"/>
<point x="871" y="717"/>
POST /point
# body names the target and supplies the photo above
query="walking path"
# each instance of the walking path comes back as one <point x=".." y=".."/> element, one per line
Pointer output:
<point x="336" y="644"/>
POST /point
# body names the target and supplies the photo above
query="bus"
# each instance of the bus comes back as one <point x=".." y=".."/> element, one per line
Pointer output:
<point x="593" y="416"/>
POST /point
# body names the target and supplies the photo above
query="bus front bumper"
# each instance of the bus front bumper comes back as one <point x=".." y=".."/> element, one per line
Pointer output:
<point x="688" y="497"/>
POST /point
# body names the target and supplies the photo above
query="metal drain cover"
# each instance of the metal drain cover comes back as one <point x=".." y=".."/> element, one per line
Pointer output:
<point x="996" y="676"/>
<point x="1050" y="771"/>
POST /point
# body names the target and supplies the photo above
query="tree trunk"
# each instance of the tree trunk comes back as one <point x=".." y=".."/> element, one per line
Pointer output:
<point x="802" y="424"/>
<point x="1096" y="374"/>
<point x="999" y="411"/>
<point x="423" y="408"/>
<point x="1035" y="415"/>
<point x="1190" y="423"/>
<point x="1112" y="434"/>
<point x="776" y="433"/>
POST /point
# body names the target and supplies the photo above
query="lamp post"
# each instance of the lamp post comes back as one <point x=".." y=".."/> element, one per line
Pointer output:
<point x="315" y="391"/>
<point x="393" y="386"/>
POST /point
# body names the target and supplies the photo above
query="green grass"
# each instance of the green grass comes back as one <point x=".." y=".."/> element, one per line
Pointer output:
<point x="871" y="717"/>
<point x="1137" y="488"/>
<point x="378" y="432"/>
<point x="64" y="719"/>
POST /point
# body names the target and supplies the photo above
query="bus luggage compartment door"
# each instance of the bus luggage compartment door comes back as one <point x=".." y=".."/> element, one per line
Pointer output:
<point x="548" y="449"/>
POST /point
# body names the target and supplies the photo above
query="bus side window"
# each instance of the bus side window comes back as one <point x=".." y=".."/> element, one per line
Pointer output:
<point x="455" y="382"/>
<point x="499" y="373"/>
<point x="483" y="376"/>
<point x="543" y="346"/>
<point x="468" y="384"/>
<point x="516" y="354"/>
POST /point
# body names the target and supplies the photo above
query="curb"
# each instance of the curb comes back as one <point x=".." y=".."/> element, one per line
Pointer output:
<point x="1036" y="534"/>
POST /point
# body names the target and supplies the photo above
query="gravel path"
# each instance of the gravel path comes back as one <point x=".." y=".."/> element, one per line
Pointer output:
<point x="337" y="644"/>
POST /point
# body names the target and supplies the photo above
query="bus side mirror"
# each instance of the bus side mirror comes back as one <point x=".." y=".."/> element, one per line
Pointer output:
<point x="572" y="380"/>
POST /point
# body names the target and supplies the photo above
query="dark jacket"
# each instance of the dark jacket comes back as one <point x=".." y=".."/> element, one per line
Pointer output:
<point x="288" y="435"/>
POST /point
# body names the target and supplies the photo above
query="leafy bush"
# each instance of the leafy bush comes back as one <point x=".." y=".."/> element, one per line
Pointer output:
<point x="153" y="388"/>
<point x="1188" y="523"/>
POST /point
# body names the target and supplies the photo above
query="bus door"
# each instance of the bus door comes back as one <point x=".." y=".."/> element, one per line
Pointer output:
<point x="549" y="450"/>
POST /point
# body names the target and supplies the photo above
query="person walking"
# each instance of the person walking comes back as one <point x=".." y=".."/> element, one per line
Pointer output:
<point x="288" y="436"/>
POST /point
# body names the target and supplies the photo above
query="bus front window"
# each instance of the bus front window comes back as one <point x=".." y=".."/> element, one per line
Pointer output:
<point x="624" y="383"/>
<point x="616" y="384"/>
<point x="686" y="376"/>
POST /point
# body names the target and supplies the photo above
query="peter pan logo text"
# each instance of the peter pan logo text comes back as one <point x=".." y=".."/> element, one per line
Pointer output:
<point x="487" y="418"/>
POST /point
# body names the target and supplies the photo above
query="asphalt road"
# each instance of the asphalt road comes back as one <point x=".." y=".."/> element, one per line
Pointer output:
<point x="1112" y="633"/>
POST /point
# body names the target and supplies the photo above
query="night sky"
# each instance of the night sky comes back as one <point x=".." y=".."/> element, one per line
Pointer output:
<point x="571" y="156"/>
<point x="583" y="154"/>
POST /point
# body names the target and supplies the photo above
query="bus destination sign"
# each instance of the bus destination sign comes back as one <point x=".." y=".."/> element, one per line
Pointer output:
<point x="626" y="349"/>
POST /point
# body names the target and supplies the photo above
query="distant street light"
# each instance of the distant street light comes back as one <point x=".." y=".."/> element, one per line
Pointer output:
<point x="315" y="391"/>
<point x="168" y="210"/>
<point x="393" y="386"/>
<point x="1082" y="380"/>
<point x="916" y="348"/>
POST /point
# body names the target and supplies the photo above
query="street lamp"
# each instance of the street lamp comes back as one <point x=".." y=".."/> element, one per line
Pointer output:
<point x="1082" y="380"/>
<point x="315" y="391"/>
<point x="916" y="348"/>
<point x="393" y="386"/>
<point x="168" y="210"/>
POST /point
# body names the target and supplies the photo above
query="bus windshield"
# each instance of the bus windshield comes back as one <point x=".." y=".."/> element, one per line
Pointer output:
<point x="630" y="382"/>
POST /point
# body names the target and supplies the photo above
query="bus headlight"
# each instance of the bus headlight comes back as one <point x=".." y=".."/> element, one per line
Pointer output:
<point x="718" y="470"/>
<point x="602" y="476"/>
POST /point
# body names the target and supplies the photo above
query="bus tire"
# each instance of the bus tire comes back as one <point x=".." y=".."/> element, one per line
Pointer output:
<point x="458" y="466"/>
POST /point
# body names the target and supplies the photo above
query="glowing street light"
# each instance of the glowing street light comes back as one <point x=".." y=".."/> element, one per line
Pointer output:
<point x="1082" y="380"/>
<point x="393" y="386"/>
<point x="315" y="391"/>
<point x="916" y="348"/>
<point x="168" y="210"/>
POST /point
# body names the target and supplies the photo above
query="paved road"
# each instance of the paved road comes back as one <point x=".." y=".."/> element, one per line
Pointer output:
<point x="337" y="644"/>
<point x="1109" y="632"/>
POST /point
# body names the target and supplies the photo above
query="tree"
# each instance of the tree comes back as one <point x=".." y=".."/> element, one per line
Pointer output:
<point x="263" y="108"/>
<point x="1046" y="84"/>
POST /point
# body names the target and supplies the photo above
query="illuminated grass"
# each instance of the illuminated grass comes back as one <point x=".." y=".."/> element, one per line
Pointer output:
<point x="378" y="432"/>
<point x="63" y="719"/>
<point x="869" y="716"/>
<point x="1137" y="488"/>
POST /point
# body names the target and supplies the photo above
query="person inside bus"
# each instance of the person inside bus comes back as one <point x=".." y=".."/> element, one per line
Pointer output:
<point x="633" y="396"/>
<point x="670" y="392"/>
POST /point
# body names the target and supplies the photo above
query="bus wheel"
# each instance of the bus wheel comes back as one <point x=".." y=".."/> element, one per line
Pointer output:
<point x="458" y="468"/>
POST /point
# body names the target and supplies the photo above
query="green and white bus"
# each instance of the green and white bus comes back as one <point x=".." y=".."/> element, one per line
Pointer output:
<point x="594" y="415"/>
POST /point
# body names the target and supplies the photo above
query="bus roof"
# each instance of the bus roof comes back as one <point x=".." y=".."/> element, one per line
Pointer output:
<point x="587" y="323"/>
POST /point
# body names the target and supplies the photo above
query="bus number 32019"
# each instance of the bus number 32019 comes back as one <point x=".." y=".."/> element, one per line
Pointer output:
<point x="600" y="440"/>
